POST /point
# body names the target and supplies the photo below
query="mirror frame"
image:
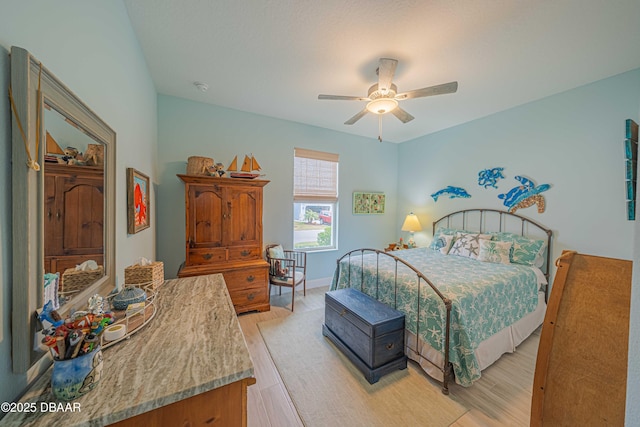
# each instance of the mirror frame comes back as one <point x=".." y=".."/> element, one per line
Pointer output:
<point x="28" y="201"/>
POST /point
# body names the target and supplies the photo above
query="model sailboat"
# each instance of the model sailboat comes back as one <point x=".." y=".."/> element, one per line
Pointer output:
<point x="249" y="165"/>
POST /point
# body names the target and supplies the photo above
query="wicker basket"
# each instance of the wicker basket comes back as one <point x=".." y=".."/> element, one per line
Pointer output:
<point x="77" y="280"/>
<point x="145" y="274"/>
<point x="197" y="165"/>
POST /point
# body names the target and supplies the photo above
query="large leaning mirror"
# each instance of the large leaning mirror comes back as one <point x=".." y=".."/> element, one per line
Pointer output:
<point x="63" y="196"/>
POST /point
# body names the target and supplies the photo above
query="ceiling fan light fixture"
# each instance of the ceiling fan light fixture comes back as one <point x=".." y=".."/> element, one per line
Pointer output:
<point x="382" y="105"/>
<point x="383" y="96"/>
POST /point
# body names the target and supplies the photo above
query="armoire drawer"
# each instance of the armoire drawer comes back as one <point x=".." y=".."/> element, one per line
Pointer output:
<point x="206" y="256"/>
<point x="246" y="278"/>
<point x="243" y="299"/>
<point x="244" y="253"/>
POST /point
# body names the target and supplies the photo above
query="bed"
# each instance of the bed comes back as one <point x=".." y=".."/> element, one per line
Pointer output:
<point x="462" y="312"/>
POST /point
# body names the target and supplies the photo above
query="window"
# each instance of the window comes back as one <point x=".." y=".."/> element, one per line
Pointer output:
<point x="315" y="200"/>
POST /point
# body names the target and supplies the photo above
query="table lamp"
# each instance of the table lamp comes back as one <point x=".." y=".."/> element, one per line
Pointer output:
<point x="412" y="225"/>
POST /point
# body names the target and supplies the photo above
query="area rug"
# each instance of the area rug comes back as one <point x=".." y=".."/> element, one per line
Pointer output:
<point x="328" y="390"/>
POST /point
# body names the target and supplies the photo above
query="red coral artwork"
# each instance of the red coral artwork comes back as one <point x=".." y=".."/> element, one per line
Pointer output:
<point x="140" y="205"/>
<point x="137" y="201"/>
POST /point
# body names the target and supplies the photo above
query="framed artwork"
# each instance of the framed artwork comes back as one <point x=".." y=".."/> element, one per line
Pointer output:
<point x="368" y="203"/>
<point x="631" y="164"/>
<point x="138" y="213"/>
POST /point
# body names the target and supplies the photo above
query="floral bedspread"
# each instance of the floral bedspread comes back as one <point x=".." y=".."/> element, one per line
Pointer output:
<point x="486" y="298"/>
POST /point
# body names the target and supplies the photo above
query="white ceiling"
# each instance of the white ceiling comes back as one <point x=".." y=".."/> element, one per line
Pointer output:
<point x="273" y="57"/>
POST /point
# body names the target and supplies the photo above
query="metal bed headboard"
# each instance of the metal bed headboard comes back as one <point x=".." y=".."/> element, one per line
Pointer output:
<point x="503" y="217"/>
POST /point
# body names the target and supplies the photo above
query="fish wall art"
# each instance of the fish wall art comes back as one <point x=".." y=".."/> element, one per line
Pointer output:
<point x="525" y="195"/>
<point x="489" y="177"/>
<point x="452" y="192"/>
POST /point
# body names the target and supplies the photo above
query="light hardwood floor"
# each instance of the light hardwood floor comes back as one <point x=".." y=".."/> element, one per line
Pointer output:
<point x="502" y="397"/>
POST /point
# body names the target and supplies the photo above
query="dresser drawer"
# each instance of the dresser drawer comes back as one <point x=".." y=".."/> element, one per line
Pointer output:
<point x="246" y="278"/>
<point x="206" y="256"/>
<point x="243" y="299"/>
<point x="244" y="253"/>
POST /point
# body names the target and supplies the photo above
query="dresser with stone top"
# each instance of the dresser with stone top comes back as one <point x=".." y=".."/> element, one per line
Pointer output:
<point x="189" y="366"/>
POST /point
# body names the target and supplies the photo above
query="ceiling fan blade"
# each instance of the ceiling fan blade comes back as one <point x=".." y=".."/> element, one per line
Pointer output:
<point x="343" y="98"/>
<point x="357" y="117"/>
<point x="386" y="70"/>
<point x="402" y="115"/>
<point x="429" y="91"/>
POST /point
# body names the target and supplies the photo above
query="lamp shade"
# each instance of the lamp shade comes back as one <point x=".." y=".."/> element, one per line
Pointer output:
<point x="411" y="223"/>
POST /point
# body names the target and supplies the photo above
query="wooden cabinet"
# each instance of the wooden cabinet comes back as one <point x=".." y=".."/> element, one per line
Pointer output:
<point x="224" y="406"/>
<point x="73" y="216"/>
<point x="224" y="235"/>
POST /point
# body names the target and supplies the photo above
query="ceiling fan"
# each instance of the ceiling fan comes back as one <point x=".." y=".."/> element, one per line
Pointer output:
<point x="383" y="96"/>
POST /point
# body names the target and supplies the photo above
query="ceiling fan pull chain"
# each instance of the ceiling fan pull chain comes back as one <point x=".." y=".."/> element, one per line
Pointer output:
<point x="380" y="128"/>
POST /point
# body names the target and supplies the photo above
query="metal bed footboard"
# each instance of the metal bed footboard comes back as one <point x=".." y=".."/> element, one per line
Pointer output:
<point x="422" y="280"/>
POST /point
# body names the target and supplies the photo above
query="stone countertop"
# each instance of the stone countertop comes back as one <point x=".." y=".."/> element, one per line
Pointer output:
<point x="193" y="345"/>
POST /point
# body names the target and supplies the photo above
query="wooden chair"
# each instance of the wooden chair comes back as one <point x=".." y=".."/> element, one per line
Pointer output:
<point x="286" y="268"/>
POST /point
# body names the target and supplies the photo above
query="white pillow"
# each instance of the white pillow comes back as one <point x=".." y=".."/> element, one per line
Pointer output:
<point x="468" y="244"/>
<point x="540" y="257"/>
<point x="442" y="244"/>
<point x="496" y="252"/>
<point x="276" y="252"/>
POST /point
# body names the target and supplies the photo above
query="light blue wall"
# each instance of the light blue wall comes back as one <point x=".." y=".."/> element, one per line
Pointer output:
<point x="91" y="47"/>
<point x="188" y="128"/>
<point x="574" y="141"/>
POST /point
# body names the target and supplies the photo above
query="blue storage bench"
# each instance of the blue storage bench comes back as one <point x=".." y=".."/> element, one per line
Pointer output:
<point x="368" y="332"/>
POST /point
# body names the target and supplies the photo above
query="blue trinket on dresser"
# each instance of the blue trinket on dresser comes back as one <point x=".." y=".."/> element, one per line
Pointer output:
<point x="129" y="295"/>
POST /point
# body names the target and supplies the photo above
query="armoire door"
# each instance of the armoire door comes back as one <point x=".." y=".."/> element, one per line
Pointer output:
<point x="206" y="223"/>
<point x="52" y="216"/>
<point x="81" y="202"/>
<point x="244" y="216"/>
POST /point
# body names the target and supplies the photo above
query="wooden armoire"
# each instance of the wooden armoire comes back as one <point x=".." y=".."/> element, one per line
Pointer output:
<point x="224" y="235"/>
<point x="73" y="216"/>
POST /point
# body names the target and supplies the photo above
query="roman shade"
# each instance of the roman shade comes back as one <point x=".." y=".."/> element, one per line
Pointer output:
<point x="315" y="176"/>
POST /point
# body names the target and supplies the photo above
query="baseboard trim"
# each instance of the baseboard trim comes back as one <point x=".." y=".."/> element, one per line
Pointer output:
<point x="315" y="283"/>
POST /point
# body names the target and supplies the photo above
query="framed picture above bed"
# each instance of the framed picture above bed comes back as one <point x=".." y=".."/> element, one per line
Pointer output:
<point x="368" y="203"/>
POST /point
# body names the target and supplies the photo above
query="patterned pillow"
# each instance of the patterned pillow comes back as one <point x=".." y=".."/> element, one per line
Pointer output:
<point x="468" y="244"/>
<point x="496" y="252"/>
<point x="524" y="251"/>
<point x="443" y="244"/>
<point x="443" y="231"/>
